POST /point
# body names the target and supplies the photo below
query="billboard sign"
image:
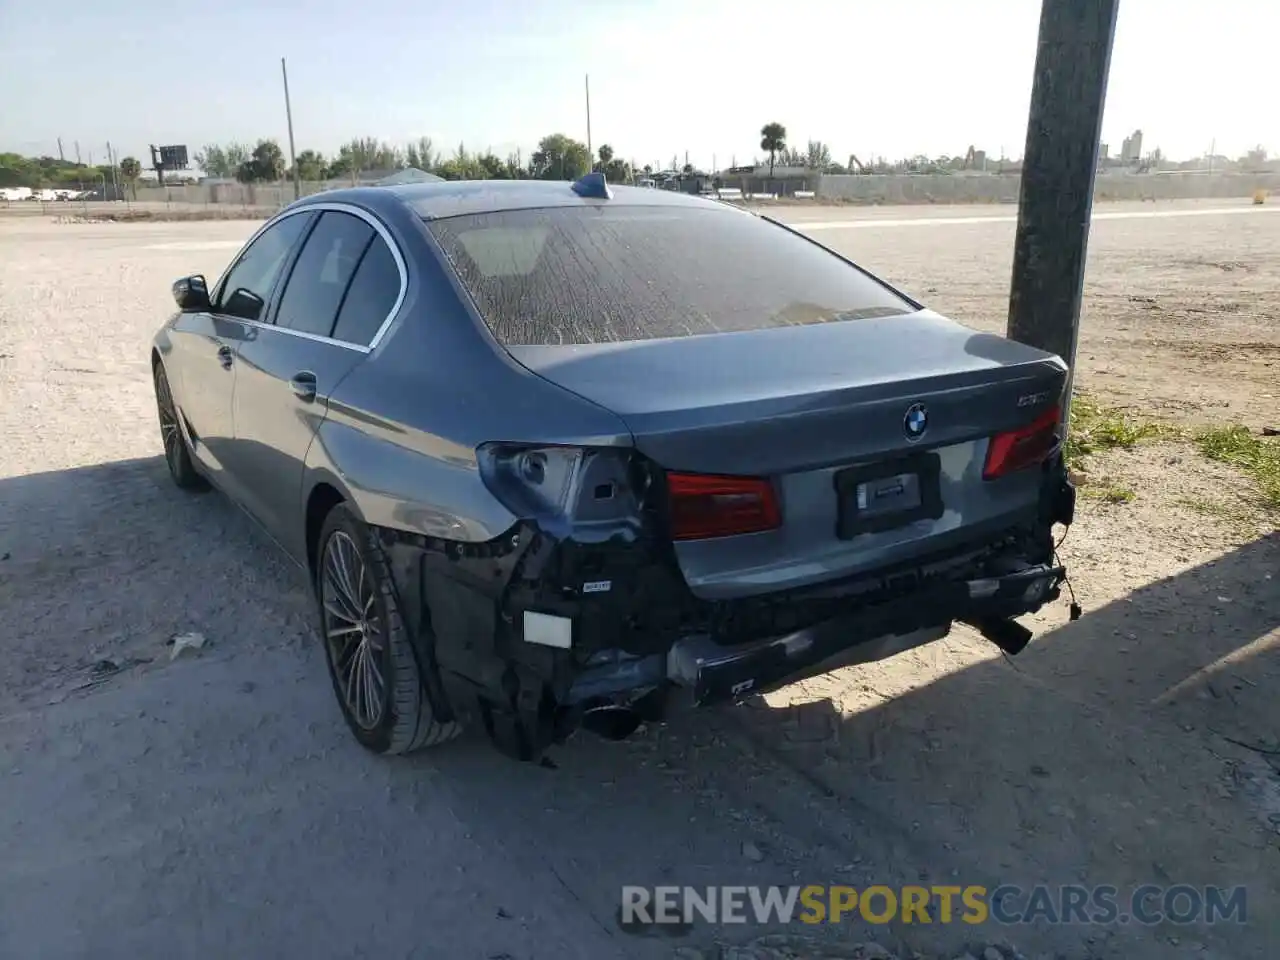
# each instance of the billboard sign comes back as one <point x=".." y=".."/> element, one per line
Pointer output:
<point x="174" y="157"/>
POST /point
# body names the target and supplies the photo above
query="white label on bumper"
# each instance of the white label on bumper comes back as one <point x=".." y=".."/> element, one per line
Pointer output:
<point x="548" y="630"/>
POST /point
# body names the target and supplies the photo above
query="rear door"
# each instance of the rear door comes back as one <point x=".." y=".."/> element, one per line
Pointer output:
<point x="340" y="291"/>
<point x="205" y="344"/>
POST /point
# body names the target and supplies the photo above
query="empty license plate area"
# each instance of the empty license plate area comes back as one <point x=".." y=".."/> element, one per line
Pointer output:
<point x="891" y="493"/>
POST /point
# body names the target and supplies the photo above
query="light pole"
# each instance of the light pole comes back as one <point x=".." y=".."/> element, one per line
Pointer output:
<point x="591" y="157"/>
<point x="288" y="112"/>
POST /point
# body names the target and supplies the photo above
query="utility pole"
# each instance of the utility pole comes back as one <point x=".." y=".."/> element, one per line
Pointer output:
<point x="156" y="165"/>
<point x="590" y="156"/>
<point x="77" y="143"/>
<point x="288" y="112"/>
<point x="111" y="162"/>
<point x="1073" y="58"/>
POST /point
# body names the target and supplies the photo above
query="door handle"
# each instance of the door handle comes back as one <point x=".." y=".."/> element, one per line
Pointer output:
<point x="225" y="356"/>
<point x="303" y="384"/>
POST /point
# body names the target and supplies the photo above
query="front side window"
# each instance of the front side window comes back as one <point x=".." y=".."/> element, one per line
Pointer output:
<point x="247" y="287"/>
<point x="320" y="277"/>
<point x="591" y="274"/>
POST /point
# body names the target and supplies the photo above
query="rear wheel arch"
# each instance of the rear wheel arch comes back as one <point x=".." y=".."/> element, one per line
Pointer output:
<point x="323" y="497"/>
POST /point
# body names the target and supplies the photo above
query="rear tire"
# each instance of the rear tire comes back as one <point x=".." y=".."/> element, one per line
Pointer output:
<point x="371" y="659"/>
<point x="177" y="455"/>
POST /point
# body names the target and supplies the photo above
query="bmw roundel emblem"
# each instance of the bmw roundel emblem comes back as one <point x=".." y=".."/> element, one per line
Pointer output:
<point x="916" y="421"/>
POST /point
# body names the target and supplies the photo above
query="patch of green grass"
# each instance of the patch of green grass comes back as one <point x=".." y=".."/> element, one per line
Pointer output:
<point x="1210" y="508"/>
<point x="1255" y="456"/>
<point x="1108" y="493"/>
<point x="1094" y="427"/>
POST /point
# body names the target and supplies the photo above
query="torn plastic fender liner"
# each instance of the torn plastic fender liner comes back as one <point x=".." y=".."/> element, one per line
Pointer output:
<point x="449" y="592"/>
<point x="465" y="605"/>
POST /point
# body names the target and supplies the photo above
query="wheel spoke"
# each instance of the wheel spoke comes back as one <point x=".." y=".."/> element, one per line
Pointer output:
<point x="375" y="672"/>
<point x="342" y="552"/>
<point x="366" y="700"/>
<point x="169" y="435"/>
<point x="347" y="660"/>
<point x="338" y="578"/>
<point x="335" y="594"/>
<point x="348" y="597"/>
<point x="349" y="684"/>
<point x="335" y="610"/>
<point x="345" y="580"/>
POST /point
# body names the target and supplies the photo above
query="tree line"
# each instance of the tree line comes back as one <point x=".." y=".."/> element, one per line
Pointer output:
<point x="558" y="157"/>
<point x="37" y="172"/>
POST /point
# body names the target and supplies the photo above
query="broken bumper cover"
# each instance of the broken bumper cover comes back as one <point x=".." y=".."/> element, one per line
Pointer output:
<point x="711" y="672"/>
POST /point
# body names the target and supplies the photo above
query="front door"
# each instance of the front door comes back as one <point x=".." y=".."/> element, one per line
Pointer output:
<point x="286" y="374"/>
<point x="205" y="344"/>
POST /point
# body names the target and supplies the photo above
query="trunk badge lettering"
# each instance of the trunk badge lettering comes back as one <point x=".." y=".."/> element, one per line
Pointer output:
<point x="597" y="586"/>
<point x="915" y="422"/>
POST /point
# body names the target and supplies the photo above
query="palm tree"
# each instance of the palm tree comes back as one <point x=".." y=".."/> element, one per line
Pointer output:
<point x="130" y="169"/>
<point x="773" y="137"/>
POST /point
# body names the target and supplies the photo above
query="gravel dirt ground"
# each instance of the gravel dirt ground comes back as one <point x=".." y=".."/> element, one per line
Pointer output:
<point x="215" y="803"/>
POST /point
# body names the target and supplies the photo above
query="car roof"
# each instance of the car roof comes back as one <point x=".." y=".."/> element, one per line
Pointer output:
<point x="453" y="198"/>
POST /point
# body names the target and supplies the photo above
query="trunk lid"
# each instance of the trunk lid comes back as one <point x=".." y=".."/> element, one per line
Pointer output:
<point x="802" y="404"/>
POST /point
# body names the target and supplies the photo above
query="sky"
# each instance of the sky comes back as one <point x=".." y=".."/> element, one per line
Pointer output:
<point x="887" y="78"/>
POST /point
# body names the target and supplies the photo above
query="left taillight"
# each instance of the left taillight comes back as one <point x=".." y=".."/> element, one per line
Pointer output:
<point x="1024" y="447"/>
<point x="702" y="506"/>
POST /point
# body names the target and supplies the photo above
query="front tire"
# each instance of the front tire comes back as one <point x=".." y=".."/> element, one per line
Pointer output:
<point x="176" y="453"/>
<point x="367" y="647"/>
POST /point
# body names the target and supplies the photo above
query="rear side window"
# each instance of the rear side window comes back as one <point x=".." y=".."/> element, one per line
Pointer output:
<point x="372" y="294"/>
<point x="572" y="275"/>
<point x="323" y="270"/>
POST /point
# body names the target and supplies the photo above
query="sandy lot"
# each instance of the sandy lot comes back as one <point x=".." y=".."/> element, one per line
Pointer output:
<point x="164" y="809"/>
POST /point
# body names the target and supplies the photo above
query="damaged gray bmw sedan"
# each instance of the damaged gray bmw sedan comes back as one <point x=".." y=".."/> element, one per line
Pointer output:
<point x="566" y="455"/>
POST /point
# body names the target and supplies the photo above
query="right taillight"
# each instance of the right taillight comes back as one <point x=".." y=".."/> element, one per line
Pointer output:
<point x="1024" y="447"/>
<point x="701" y="506"/>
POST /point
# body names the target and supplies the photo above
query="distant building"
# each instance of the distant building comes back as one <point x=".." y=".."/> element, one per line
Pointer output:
<point x="1104" y="152"/>
<point x="1131" y="149"/>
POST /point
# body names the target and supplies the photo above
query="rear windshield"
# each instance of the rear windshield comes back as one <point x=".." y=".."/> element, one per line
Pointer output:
<point x="573" y="275"/>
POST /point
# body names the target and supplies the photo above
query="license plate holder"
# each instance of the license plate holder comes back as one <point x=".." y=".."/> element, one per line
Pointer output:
<point x="888" y="494"/>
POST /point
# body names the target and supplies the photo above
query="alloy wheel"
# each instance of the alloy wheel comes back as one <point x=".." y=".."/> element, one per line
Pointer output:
<point x="353" y="631"/>
<point x="170" y="435"/>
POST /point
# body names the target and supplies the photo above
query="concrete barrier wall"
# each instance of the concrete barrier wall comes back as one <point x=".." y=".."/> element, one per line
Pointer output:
<point x="867" y="188"/>
<point x="1003" y="188"/>
<point x="273" y="195"/>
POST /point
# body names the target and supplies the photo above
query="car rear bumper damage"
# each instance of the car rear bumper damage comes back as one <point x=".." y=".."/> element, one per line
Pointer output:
<point x="531" y="637"/>
<point x="711" y="672"/>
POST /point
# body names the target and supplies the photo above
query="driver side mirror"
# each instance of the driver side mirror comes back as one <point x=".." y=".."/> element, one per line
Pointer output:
<point x="191" y="293"/>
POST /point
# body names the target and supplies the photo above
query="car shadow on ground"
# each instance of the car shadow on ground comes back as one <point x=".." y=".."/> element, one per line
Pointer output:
<point x="1140" y="744"/>
<point x="103" y="565"/>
